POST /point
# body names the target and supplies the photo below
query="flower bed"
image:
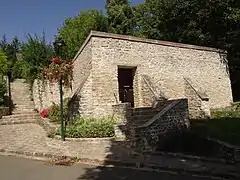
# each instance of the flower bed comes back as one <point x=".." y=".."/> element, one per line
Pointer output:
<point x="90" y="128"/>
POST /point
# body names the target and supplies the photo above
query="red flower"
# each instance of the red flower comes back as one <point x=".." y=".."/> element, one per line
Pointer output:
<point x="45" y="112"/>
<point x="56" y="60"/>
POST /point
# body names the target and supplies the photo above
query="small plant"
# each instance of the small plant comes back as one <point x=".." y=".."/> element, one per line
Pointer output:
<point x="3" y="91"/>
<point x="55" y="114"/>
<point x="91" y="128"/>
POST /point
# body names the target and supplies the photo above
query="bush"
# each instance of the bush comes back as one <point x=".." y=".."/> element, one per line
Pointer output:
<point x="3" y="90"/>
<point x="226" y="113"/>
<point x="55" y="114"/>
<point x="91" y="128"/>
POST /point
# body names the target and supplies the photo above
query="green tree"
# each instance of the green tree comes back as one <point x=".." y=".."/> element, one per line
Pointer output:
<point x="213" y="23"/>
<point x="11" y="50"/>
<point x="120" y="17"/>
<point x="3" y="71"/>
<point x="3" y="63"/>
<point x="75" y="30"/>
<point x="3" y="43"/>
<point x="36" y="54"/>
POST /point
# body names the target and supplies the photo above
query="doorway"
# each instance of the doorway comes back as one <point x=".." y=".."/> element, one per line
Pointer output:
<point x="125" y="82"/>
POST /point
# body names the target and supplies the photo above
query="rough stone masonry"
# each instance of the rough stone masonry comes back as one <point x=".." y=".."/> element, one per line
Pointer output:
<point x="168" y="64"/>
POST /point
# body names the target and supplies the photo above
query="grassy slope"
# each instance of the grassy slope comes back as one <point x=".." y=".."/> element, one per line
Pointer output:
<point x="224" y="126"/>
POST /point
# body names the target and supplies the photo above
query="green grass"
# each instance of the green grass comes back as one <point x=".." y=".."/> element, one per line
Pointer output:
<point x="224" y="126"/>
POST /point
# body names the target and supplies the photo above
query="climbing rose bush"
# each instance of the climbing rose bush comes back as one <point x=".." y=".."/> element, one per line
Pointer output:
<point x="59" y="69"/>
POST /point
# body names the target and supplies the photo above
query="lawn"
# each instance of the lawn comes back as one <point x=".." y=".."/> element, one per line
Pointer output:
<point x="224" y="126"/>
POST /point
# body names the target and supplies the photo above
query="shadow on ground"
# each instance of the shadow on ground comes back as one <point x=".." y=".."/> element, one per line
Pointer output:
<point x="105" y="173"/>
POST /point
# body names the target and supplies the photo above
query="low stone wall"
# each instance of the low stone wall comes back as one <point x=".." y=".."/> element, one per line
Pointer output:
<point x="123" y="114"/>
<point x="226" y="151"/>
<point x="44" y="94"/>
<point x="4" y="111"/>
<point x="172" y="119"/>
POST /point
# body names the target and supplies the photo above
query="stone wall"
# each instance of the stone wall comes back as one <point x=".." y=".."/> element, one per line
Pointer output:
<point x="172" y="119"/>
<point x="122" y="113"/>
<point x="4" y="111"/>
<point x="95" y="86"/>
<point x="147" y="95"/>
<point x="198" y="101"/>
<point x="82" y="81"/>
<point x="151" y="93"/>
<point x="44" y="94"/>
<point x="166" y="63"/>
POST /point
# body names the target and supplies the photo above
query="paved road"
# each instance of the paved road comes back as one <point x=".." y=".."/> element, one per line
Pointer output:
<point x="16" y="168"/>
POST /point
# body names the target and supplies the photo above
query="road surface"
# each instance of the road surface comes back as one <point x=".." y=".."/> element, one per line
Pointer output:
<point x="17" y="168"/>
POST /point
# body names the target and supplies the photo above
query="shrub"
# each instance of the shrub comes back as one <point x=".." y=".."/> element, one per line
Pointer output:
<point x="3" y="90"/>
<point x="55" y="114"/>
<point x="226" y="114"/>
<point x="91" y="128"/>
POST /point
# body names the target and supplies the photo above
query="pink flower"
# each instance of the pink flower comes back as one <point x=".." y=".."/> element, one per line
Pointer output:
<point x="45" y="112"/>
<point x="56" y="60"/>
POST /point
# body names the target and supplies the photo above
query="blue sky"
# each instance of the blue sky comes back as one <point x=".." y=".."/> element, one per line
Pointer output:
<point x="19" y="17"/>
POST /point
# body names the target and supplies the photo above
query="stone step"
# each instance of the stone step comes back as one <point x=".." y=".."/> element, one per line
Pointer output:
<point x="21" y="95"/>
<point x="21" y="116"/>
<point x="18" y="95"/>
<point x="143" y="117"/>
<point x="24" y="112"/>
<point x="11" y="122"/>
<point x="21" y="89"/>
<point x="23" y="103"/>
<point x="17" y="108"/>
<point x="20" y="80"/>
<point x="139" y="113"/>
<point x="23" y="109"/>
<point x="138" y="123"/>
<point x="145" y="111"/>
<point x="24" y="106"/>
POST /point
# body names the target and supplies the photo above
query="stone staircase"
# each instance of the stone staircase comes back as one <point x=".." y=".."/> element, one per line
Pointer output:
<point x="23" y="109"/>
<point x="142" y="115"/>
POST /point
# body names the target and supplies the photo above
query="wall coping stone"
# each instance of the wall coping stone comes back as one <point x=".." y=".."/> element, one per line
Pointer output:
<point x="143" y="40"/>
<point x="86" y="139"/>
<point x="202" y="95"/>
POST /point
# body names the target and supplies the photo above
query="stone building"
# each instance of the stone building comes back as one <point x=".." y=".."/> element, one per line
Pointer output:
<point x="111" y="68"/>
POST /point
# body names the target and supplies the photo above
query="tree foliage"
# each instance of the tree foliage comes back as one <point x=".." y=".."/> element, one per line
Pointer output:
<point x="75" y="30"/>
<point x="3" y="63"/>
<point x="36" y="54"/>
<point x="120" y="16"/>
<point x="3" y="71"/>
<point x="212" y="23"/>
<point x="11" y="51"/>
